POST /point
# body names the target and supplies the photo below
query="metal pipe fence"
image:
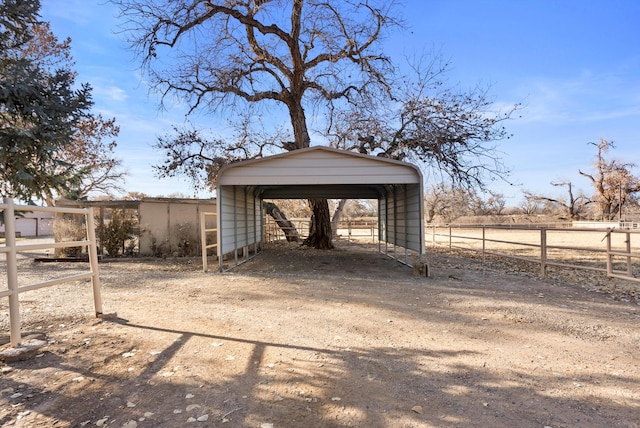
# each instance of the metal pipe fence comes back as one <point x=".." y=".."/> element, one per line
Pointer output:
<point x="352" y="229"/>
<point x="611" y="251"/>
<point x="11" y="249"/>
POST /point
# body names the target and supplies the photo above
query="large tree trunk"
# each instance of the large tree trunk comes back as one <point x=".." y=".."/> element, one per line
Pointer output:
<point x="299" y="124"/>
<point x="337" y="215"/>
<point x="320" y="229"/>
<point x="290" y="231"/>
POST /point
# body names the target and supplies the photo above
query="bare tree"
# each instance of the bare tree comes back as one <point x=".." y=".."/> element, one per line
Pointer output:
<point x="446" y="202"/>
<point x="494" y="204"/>
<point x="612" y="181"/>
<point x="574" y="206"/>
<point x="447" y="130"/>
<point x="225" y="55"/>
<point x="530" y="205"/>
<point x="93" y="154"/>
<point x="432" y="204"/>
<point x="190" y="153"/>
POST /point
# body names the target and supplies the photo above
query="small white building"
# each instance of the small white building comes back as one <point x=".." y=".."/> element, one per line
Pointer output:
<point x="33" y="224"/>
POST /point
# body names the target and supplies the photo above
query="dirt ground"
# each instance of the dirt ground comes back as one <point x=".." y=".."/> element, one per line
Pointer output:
<point x="302" y="338"/>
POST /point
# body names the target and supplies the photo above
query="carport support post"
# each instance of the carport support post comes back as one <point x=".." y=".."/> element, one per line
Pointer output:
<point x="12" y="272"/>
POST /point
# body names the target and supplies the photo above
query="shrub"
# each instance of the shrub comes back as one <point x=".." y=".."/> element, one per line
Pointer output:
<point x="114" y="232"/>
<point x="186" y="240"/>
<point x="66" y="228"/>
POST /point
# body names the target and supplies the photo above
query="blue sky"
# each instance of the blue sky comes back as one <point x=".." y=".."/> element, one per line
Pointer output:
<point x="574" y="64"/>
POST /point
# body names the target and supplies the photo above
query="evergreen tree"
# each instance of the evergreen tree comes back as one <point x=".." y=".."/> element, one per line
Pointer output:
<point x="40" y="107"/>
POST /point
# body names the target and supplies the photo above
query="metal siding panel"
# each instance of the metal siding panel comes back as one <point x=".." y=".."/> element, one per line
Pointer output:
<point x="310" y="179"/>
<point x="241" y="217"/>
<point x="401" y="221"/>
<point x="227" y="220"/>
<point x="323" y="170"/>
<point x="240" y="222"/>
<point x="391" y="229"/>
<point x="253" y="219"/>
<point x="382" y="219"/>
<point x="414" y="218"/>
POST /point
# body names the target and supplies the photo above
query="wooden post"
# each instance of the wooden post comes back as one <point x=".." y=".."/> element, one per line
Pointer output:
<point x="102" y="229"/>
<point x="628" y="242"/>
<point x="203" y="241"/>
<point x="12" y="272"/>
<point x="93" y="261"/>
<point x="543" y="251"/>
<point x="484" y="246"/>
<point x="609" y="255"/>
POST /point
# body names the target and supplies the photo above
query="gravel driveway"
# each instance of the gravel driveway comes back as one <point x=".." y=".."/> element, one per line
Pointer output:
<point x="304" y="338"/>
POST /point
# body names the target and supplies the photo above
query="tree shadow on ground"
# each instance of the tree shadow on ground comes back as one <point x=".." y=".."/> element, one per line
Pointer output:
<point x="294" y="385"/>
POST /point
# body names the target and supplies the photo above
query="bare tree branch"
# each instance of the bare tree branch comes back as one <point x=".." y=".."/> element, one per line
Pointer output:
<point x="613" y="181"/>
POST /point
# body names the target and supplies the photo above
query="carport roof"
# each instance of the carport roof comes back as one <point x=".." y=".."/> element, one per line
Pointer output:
<point x="319" y="172"/>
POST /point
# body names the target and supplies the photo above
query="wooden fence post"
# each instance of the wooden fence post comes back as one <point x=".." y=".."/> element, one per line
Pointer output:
<point x="543" y="251"/>
<point x="609" y="255"/>
<point x="203" y="240"/>
<point x="93" y="261"/>
<point x="628" y="242"/>
<point x="484" y="246"/>
<point x="12" y="272"/>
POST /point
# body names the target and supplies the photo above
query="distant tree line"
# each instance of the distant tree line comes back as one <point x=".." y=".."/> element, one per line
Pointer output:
<point x="614" y="196"/>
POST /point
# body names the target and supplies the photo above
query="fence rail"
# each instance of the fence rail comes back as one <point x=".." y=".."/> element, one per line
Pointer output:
<point x="610" y="251"/>
<point x="361" y="228"/>
<point x="11" y="250"/>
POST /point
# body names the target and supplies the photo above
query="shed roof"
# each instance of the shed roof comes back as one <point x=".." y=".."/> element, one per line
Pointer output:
<point x="319" y="172"/>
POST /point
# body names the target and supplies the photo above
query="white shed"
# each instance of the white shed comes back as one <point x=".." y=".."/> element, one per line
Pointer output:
<point x="318" y="172"/>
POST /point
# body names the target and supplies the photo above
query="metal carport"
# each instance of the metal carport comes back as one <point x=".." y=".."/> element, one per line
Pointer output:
<point x="318" y="172"/>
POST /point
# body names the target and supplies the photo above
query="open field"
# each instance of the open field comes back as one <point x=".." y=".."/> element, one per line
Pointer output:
<point x="298" y="337"/>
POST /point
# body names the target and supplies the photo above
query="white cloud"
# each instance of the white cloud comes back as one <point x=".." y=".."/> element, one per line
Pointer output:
<point x="587" y="96"/>
<point x="76" y="11"/>
<point x="110" y="93"/>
